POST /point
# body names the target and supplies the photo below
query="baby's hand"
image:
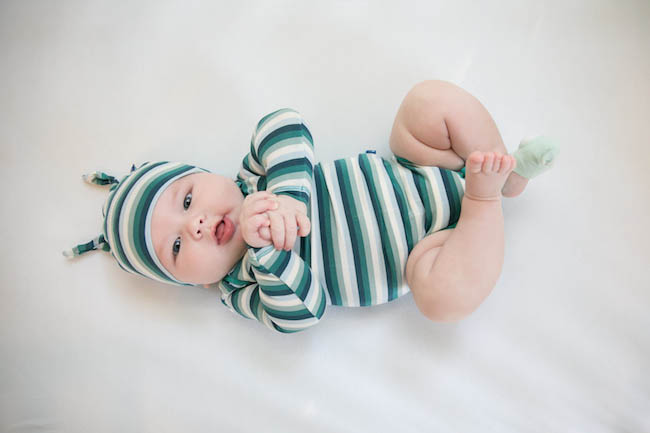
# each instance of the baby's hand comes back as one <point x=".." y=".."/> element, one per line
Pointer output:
<point x="253" y="217"/>
<point x="288" y="221"/>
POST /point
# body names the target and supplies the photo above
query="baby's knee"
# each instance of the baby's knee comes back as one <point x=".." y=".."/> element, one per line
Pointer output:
<point x="449" y="305"/>
<point x="445" y="313"/>
<point x="433" y="89"/>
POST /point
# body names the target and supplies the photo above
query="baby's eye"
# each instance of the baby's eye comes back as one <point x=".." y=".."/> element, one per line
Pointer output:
<point x="187" y="201"/>
<point x="177" y="246"/>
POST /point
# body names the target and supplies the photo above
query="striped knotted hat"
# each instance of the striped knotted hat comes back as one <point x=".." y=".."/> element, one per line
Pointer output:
<point x="127" y="217"/>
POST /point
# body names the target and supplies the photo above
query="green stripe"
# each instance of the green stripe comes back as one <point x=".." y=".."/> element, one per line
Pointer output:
<point x="117" y="212"/>
<point x="451" y="191"/>
<point x="391" y="260"/>
<point x="425" y="198"/>
<point x="302" y="314"/>
<point x="354" y="227"/>
<point x="303" y="283"/>
<point x="137" y="224"/>
<point x="299" y="166"/>
<point x="278" y="262"/>
<point x="402" y="203"/>
<point x="286" y="132"/>
<point x="327" y="237"/>
<point x="255" y="304"/>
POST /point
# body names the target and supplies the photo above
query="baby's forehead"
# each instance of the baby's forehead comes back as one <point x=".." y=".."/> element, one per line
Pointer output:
<point x="180" y="182"/>
<point x="168" y="194"/>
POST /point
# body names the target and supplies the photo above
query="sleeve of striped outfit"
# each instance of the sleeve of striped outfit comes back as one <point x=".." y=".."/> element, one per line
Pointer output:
<point x="281" y="157"/>
<point x="286" y="297"/>
<point x="291" y="299"/>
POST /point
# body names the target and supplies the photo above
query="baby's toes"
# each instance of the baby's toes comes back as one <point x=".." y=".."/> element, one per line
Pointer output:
<point x="475" y="162"/>
<point x="506" y="164"/>
<point x="488" y="162"/>
<point x="498" y="160"/>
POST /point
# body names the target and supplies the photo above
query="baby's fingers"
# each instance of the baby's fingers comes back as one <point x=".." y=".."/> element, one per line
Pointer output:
<point x="262" y="206"/>
<point x="277" y="229"/>
<point x="265" y="233"/>
<point x="259" y="220"/>
<point x="304" y="225"/>
<point x="290" y="231"/>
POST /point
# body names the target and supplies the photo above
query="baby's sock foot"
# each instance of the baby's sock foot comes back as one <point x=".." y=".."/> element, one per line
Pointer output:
<point x="486" y="173"/>
<point x="535" y="155"/>
<point x="515" y="185"/>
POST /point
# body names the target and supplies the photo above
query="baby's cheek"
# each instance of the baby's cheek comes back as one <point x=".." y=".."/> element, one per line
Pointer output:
<point x="203" y="263"/>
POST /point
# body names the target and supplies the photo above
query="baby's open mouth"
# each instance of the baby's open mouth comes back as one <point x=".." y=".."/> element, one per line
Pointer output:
<point x="224" y="230"/>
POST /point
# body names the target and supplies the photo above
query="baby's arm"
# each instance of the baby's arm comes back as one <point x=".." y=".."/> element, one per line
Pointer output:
<point x="280" y="161"/>
<point x="281" y="157"/>
<point x="284" y="296"/>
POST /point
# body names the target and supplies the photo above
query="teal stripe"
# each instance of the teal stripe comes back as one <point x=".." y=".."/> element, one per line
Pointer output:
<point x="451" y="191"/>
<point x="402" y="203"/>
<point x="255" y="303"/>
<point x="277" y="263"/>
<point x="117" y="212"/>
<point x="286" y="132"/>
<point x="302" y="283"/>
<point x="139" y="218"/>
<point x="423" y="192"/>
<point x="354" y="226"/>
<point x="391" y="261"/>
<point x="327" y="237"/>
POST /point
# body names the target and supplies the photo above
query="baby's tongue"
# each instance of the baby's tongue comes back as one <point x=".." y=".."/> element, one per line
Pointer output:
<point x="220" y="229"/>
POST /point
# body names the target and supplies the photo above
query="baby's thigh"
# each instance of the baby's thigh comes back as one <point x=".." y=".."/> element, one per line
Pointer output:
<point x="422" y="256"/>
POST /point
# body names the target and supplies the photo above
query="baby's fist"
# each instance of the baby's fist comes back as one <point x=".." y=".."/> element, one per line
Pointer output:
<point x="253" y="217"/>
<point x="288" y="222"/>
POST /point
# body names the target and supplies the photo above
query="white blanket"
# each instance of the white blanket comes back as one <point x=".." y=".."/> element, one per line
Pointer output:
<point x="562" y="343"/>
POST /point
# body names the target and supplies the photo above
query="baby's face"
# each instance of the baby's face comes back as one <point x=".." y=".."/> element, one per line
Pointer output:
<point x="195" y="228"/>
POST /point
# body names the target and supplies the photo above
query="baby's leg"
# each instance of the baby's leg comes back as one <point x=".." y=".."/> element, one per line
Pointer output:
<point x="452" y="271"/>
<point x="440" y="124"/>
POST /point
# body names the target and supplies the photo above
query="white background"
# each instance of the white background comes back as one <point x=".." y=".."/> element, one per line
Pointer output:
<point x="561" y="345"/>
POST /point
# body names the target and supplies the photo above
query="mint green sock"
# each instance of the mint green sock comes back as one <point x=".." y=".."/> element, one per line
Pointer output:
<point x="535" y="155"/>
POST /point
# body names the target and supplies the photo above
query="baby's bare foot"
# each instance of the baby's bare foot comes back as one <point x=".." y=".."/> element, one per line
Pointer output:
<point x="486" y="174"/>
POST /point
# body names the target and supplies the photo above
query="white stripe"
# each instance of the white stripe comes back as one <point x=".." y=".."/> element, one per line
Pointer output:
<point x="287" y="150"/>
<point x="377" y="277"/>
<point x="258" y="170"/>
<point x="294" y="325"/>
<point x="244" y="300"/>
<point x="443" y="207"/>
<point x="128" y="209"/>
<point x="282" y="302"/>
<point x="314" y="296"/>
<point x="290" y="183"/>
<point x="316" y="245"/>
<point x="275" y="122"/>
<point x="434" y="179"/>
<point x="392" y="217"/>
<point x="415" y="206"/>
<point x="350" y="292"/>
<point x="110" y="233"/>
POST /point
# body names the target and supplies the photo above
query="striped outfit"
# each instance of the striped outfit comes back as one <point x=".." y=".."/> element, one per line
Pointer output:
<point x="367" y="213"/>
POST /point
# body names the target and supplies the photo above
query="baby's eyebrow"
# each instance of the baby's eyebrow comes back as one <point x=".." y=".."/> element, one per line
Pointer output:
<point x="176" y="194"/>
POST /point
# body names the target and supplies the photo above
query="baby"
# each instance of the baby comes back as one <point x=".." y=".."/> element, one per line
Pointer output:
<point x="287" y="237"/>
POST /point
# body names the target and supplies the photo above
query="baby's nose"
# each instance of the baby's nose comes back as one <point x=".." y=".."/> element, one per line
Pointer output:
<point x="197" y="226"/>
